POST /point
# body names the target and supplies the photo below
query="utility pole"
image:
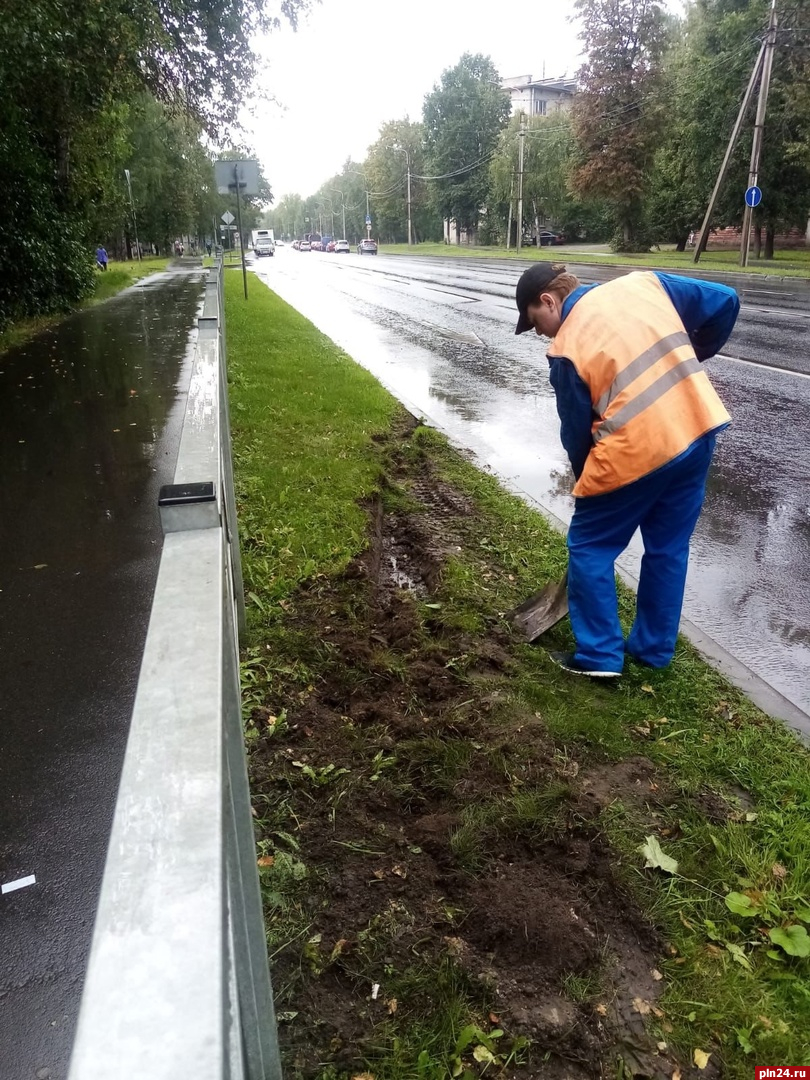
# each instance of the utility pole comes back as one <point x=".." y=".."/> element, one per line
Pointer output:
<point x="509" y="219"/>
<point x="239" y="223"/>
<point x="410" y="228"/>
<point x="404" y="150"/>
<point x="342" y="195"/>
<point x="134" y="219"/>
<point x="521" y="142"/>
<point x="703" y="238"/>
<point x="759" y="130"/>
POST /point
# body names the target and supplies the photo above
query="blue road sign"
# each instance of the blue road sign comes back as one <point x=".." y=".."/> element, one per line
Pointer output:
<point x="368" y="220"/>
<point x="753" y="196"/>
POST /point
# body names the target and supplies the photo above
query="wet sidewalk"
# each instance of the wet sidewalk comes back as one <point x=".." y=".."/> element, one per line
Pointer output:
<point x="90" y="417"/>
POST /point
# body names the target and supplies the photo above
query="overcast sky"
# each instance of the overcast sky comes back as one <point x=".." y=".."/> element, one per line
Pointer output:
<point x="353" y="64"/>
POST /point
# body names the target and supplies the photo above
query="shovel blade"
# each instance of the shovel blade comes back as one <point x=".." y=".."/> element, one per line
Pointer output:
<point x="542" y="611"/>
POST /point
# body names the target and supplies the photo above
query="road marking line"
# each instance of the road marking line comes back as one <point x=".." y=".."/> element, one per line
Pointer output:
<point x="20" y="883"/>
<point x="762" y="364"/>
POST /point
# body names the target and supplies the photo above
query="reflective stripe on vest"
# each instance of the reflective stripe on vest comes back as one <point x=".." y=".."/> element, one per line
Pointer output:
<point x="651" y="397"/>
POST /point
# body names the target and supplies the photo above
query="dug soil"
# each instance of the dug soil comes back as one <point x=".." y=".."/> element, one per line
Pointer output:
<point x="424" y="839"/>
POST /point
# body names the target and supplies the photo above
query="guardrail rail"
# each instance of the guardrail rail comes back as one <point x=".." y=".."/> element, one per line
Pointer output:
<point x="177" y="983"/>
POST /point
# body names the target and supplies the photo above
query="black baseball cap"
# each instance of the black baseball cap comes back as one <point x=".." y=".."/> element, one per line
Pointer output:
<point x="531" y="284"/>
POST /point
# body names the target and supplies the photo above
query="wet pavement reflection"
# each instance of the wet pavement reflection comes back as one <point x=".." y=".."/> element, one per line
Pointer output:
<point x="90" y="416"/>
<point x="749" y="580"/>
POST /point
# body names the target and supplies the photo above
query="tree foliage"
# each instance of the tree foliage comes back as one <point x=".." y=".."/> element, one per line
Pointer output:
<point x="463" y="116"/>
<point x="619" y="110"/>
<point x="73" y="78"/>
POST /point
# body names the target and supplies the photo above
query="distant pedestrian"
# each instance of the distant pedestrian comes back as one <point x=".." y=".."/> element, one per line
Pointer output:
<point x="692" y="238"/>
<point x="208" y="250"/>
<point x="639" y="420"/>
<point x="101" y="258"/>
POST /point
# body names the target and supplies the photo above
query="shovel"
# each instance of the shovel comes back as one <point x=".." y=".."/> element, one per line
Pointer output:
<point x="542" y="610"/>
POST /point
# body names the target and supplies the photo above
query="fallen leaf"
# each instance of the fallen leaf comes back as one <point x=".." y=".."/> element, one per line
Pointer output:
<point x="654" y="856"/>
<point x="338" y="948"/>
<point x="656" y="974"/>
<point x="641" y="1006"/>
<point x="481" y="1054"/>
<point x="363" y="1076"/>
<point x="751" y="816"/>
<point x="601" y="1009"/>
<point x="266" y="860"/>
<point x="392" y="1006"/>
<point x="454" y="945"/>
<point x="648" y="689"/>
<point x="779" y="871"/>
<point x="701" y="1058"/>
<point x="676" y="1075"/>
<point x="642" y="731"/>
<point x="42" y="565"/>
<point x="379" y="874"/>
<point x="657" y="1012"/>
<point x="493" y="1019"/>
<point x="399" y="871"/>
<point x="661" y="1046"/>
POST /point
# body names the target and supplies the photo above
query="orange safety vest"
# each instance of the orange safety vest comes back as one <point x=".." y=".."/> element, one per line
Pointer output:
<point x="651" y="399"/>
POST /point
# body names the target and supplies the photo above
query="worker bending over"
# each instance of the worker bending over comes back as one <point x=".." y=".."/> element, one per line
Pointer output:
<point x="639" y="420"/>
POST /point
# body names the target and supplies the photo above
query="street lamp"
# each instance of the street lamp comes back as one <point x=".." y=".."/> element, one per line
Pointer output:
<point x="356" y="172"/>
<point x="406" y="152"/>
<point x="343" y="207"/>
<point x="134" y="218"/>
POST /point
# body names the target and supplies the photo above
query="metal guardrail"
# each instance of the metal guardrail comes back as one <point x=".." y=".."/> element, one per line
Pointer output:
<point x="177" y="983"/>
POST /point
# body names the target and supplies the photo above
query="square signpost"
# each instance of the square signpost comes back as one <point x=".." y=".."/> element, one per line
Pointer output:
<point x="238" y="178"/>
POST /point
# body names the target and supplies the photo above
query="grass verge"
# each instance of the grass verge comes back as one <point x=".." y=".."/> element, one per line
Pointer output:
<point x="784" y="263"/>
<point x="449" y="827"/>
<point x="119" y="276"/>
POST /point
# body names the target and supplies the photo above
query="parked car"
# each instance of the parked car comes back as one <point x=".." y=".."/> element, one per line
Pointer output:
<point x="296" y="244"/>
<point x="549" y="238"/>
<point x="331" y="245"/>
<point x="342" y="247"/>
<point x="367" y="247"/>
<point x="279" y="243"/>
<point x="304" y="245"/>
<point x="316" y="245"/>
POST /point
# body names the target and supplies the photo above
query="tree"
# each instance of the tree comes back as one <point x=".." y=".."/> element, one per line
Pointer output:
<point x="68" y="73"/>
<point x="705" y="80"/>
<point x="463" y="116"/>
<point x="385" y="168"/>
<point x="548" y="160"/>
<point x="619" y="112"/>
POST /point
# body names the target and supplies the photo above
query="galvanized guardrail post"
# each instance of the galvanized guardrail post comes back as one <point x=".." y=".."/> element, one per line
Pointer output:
<point x="178" y="983"/>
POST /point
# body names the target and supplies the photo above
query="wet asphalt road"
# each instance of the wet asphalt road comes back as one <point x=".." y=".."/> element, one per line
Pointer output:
<point x="440" y="334"/>
<point x="90" y="417"/>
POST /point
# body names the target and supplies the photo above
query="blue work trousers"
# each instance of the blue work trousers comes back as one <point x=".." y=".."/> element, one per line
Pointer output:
<point x="665" y="505"/>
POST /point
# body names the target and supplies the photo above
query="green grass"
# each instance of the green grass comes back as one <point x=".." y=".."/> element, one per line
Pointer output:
<point x="310" y="452"/>
<point x="119" y="276"/>
<point x="784" y="263"/>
